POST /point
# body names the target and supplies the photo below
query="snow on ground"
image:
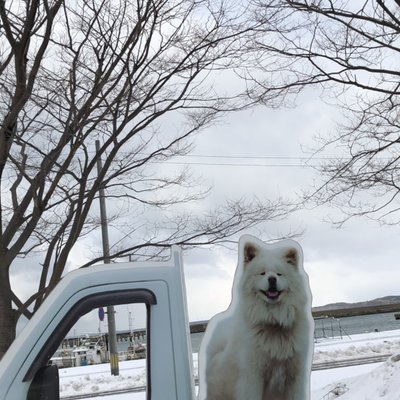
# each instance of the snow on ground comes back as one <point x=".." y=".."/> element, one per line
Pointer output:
<point x="363" y="382"/>
<point x="382" y="382"/>
<point x="357" y="346"/>
<point x="97" y="378"/>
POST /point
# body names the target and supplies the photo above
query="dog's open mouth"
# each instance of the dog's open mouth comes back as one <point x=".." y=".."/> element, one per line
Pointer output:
<point x="271" y="294"/>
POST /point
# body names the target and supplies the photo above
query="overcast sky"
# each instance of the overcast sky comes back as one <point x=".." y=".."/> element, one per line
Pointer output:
<point x="357" y="262"/>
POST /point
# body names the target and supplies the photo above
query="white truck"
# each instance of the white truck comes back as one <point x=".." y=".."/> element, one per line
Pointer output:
<point x="25" y="372"/>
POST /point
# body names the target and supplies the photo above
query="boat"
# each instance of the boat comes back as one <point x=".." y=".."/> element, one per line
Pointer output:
<point x="397" y="315"/>
<point x="63" y="358"/>
<point x="86" y="353"/>
<point x="136" y="351"/>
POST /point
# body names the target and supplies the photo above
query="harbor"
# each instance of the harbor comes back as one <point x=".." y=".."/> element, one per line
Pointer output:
<point x="92" y="348"/>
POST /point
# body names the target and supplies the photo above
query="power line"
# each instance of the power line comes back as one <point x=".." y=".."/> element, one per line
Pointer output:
<point x="299" y="161"/>
<point x="213" y="164"/>
<point x="302" y="161"/>
<point x="259" y="157"/>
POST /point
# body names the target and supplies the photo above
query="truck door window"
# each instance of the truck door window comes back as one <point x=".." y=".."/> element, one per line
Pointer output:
<point x="67" y="320"/>
<point x="85" y="359"/>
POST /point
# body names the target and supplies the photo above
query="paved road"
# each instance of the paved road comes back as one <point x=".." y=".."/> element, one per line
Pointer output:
<point x="350" y="363"/>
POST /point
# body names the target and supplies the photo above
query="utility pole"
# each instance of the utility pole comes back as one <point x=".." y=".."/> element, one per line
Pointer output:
<point x="114" y="362"/>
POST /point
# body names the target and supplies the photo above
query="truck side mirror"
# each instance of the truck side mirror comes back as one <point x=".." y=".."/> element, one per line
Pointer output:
<point x="45" y="385"/>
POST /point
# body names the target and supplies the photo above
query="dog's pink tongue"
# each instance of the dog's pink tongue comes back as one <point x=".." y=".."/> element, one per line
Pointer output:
<point x="271" y="293"/>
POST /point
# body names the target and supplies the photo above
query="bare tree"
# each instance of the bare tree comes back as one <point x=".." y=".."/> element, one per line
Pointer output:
<point x="140" y="76"/>
<point x="352" y="50"/>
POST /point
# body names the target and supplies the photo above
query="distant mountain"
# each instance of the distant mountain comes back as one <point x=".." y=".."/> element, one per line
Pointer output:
<point x="370" y="303"/>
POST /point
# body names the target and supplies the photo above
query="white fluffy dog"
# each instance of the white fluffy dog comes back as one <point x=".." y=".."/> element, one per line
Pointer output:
<point x="261" y="347"/>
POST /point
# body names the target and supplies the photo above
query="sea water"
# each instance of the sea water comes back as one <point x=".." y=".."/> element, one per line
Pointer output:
<point x="359" y="324"/>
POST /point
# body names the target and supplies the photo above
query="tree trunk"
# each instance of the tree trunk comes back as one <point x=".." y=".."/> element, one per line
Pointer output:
<point x="7" y="314"/>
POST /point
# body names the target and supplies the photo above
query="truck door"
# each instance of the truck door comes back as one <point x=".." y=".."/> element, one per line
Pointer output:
<point x="36" y="380"/>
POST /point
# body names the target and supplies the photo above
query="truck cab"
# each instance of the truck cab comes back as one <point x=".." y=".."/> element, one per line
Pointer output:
<point x="25" y="371"/>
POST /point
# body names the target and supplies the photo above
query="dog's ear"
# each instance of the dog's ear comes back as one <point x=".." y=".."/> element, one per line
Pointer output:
<point x="292" y="256"/>
<point x="250" y="251"/>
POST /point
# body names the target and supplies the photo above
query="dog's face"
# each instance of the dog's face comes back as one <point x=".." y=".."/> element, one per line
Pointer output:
<point x="269" y="273"/>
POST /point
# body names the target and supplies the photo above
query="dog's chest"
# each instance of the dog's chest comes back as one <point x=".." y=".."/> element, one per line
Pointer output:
<point x="278" y="375"/>
<point x="274" y="342"/>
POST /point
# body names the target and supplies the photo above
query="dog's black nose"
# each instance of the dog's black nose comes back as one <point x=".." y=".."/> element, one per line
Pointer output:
<point x="272" y="280"/>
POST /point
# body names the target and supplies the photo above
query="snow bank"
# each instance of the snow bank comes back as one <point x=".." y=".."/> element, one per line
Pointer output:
<point x="382" y="382"/>
<point x="97" y="378"/>
<point x="357" y="350"/>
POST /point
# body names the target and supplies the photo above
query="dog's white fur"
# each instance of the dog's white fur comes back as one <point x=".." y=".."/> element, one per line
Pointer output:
<point x="261" y="347"/>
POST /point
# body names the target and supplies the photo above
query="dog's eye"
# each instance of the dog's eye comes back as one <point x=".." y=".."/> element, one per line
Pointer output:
<point x="279" y="274"/>
<point x="262" y="273"/>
